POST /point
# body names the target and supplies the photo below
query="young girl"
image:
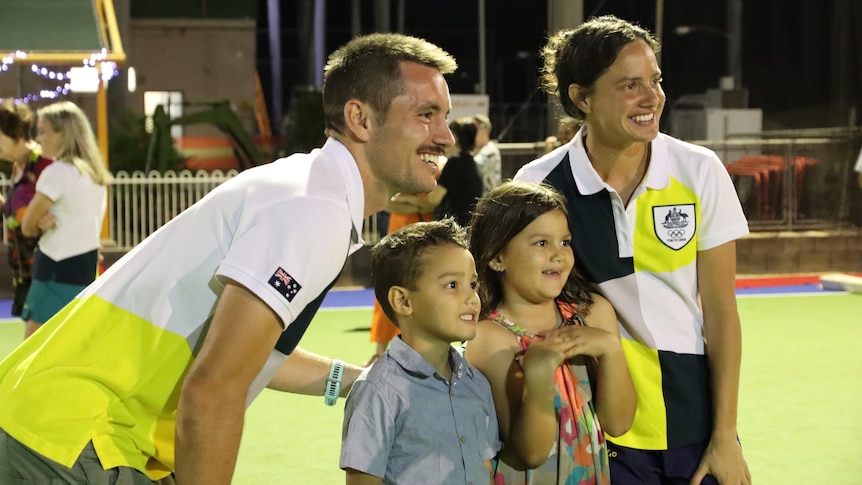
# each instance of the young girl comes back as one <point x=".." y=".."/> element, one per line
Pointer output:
<point x="549" y="347"/>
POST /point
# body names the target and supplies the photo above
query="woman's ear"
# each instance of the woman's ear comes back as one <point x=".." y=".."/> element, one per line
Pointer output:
<point x="579" y="95"/>
<point x="399" y="299"/>
<point x="357" y="118"/>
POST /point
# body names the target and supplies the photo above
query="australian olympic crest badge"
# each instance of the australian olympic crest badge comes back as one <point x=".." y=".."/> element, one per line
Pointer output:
<point x="674" y="225"/>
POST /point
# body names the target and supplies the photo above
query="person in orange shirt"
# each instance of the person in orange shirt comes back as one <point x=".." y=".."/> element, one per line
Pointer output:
<point x="401" y="213"/>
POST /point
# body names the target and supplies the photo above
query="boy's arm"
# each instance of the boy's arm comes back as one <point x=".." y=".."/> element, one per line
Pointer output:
<point x="716" y="270"/>
<point x="305" y="372"/>
<point x="355" y="477"/>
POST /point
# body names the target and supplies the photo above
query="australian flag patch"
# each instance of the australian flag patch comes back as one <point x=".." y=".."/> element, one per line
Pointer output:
<point x="284" y="284"/>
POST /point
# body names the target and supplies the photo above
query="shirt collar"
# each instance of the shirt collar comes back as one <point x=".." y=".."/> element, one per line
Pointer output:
<point x="588" y="180"/>
<point x="346" y="165"/>
<point x="415" y="364"/>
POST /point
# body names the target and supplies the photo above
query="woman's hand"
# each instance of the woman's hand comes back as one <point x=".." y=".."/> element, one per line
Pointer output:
<point x="46" y="222"/>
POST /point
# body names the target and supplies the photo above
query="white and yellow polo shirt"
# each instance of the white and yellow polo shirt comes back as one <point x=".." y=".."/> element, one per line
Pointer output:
<point x="644" y="259"/>
<point x="109" y="367"/>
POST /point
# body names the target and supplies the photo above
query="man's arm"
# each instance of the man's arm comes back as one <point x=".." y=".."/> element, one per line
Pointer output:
<point x="241" y="336"/>
<point x="306" y="373"/>
<point x="716" y="272"/>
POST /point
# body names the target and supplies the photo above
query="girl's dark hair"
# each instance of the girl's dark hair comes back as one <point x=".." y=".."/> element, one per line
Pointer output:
<point x="579" y="56"/>
<point x="500" y="216"/>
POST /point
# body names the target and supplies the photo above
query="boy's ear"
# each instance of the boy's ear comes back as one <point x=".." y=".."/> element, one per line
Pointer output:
<point x="579" y="96"/>
<point x="357" y="117"/>
<point x="399" y="299"/>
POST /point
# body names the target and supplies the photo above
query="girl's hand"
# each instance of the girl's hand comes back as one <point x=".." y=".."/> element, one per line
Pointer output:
<point x="585" y="340"/>
<point x="543" y="357"/>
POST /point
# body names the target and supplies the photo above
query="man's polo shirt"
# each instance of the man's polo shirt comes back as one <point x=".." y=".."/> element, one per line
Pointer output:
<point x="109" y="367"/>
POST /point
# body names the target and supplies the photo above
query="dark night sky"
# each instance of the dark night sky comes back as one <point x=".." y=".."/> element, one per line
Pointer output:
<point x="788" y="58"/>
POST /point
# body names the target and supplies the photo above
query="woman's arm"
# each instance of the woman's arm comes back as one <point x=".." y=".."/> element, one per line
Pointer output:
<point x="32" y="223"/>
<point x="616" y="399"/>
<point x="425" y="202"/>
<point x="716" y="272"/>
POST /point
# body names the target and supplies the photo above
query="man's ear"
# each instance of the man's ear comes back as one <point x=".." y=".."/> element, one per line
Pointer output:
<point x="579" y="95"/>
<point x="399" y="299"/>
<point x="357" y="116"/>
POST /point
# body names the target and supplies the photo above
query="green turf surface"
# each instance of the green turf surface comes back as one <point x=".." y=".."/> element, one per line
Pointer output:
<point x="800" y="412"/>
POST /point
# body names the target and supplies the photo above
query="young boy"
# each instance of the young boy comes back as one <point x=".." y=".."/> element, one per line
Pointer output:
<point x="421" y="413"/>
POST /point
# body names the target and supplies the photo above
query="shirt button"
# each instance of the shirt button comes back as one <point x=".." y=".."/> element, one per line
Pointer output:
<point x="463" y="439"/>
<point x="452" y="393"/>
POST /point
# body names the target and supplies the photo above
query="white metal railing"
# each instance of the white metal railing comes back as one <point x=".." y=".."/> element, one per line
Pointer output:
<point x="140" y="203"/>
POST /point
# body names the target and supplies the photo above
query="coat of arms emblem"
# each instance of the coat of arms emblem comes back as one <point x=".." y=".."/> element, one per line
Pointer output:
<point x="674" y="225"/>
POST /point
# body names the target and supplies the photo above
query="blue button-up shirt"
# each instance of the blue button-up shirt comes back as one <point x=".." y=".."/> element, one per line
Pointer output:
<point x="406" y="423"/>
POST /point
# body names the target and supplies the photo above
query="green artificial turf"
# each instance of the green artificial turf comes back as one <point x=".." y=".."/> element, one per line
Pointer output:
<point x="800" y="405"/>
<point x="800" y="411"/>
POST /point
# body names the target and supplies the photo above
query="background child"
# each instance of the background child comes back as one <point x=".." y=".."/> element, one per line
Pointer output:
<point x="421" y="413"/>
<point x="550" y="349"/>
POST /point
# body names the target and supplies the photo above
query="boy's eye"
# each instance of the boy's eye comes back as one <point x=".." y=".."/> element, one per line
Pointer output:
<point x="451" y="284"/>
<point x="567" y="243"/>
<point x="474" y="285"/>
<point x="542" y="243"/>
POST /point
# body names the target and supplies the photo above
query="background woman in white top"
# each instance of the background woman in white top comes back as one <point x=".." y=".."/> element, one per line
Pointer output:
<point x="66" y="212"/>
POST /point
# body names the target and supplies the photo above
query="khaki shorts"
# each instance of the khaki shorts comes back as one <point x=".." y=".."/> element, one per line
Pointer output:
<point x="21" y="465"/>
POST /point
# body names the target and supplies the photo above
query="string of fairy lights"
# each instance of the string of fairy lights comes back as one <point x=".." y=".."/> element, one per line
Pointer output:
<point x="64" y="81"/>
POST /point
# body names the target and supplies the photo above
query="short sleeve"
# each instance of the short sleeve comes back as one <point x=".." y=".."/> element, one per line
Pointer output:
<point x="368" y="431"/>
<point x="54" y="180"/>
<point x="289" y="253"/>
<point x="721" y="212"/>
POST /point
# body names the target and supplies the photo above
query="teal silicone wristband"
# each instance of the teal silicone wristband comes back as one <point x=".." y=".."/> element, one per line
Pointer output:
<point x="333" y="382"/>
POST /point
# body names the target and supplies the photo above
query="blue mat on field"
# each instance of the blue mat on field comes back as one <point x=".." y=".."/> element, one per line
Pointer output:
<point x="364" y="297"/>
<point x="346" y="298"/>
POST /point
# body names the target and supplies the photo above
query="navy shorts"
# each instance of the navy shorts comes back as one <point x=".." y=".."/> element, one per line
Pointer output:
<point x="630" y="466"/>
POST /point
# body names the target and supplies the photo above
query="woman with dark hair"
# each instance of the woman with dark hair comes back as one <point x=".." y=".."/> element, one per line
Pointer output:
<point x="655" y="221"/>
<point x="17" y="146"/>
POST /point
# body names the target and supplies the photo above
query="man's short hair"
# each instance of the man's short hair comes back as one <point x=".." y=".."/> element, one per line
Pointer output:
<point x="368" y="68"/>
<point x="398" y="259"/>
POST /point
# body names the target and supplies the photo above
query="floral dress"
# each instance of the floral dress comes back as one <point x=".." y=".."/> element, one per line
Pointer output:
<point x="20" y="248"/>
<point x="579" y="455"/>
